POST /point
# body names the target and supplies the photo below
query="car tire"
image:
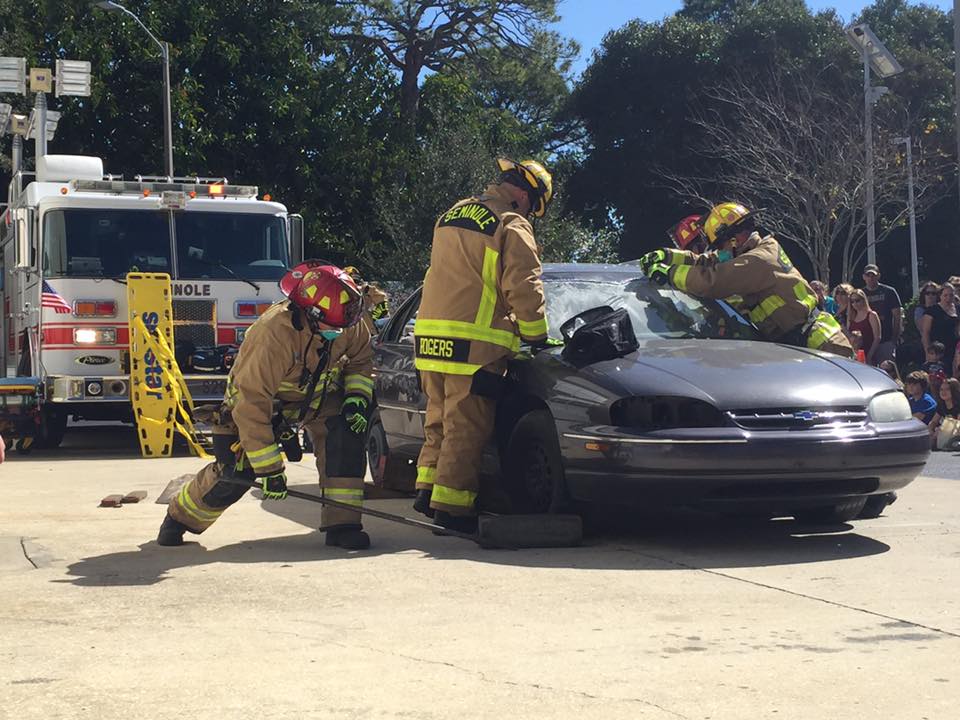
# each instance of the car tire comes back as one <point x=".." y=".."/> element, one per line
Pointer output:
<point x="387" y="470"/>
<point x="832" y="514"/>
<point x="534" y="472"/>
<point x="53" y="426"/>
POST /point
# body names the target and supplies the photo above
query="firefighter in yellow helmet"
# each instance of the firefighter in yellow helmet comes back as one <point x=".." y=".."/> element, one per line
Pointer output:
<point x="775" y="295"/>
<point x="482" y="296"/>
<point x="375" y="301"/>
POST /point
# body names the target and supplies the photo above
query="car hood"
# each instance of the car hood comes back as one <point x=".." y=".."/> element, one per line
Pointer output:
<point x="740" y="374"/>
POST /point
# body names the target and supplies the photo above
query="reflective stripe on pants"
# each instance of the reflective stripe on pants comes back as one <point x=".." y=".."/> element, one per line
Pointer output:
<point x="457" y="427"/>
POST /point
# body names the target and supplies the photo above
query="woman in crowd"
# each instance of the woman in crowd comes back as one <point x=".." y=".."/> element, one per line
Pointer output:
<point x="860" y="318"/>
<point x="939" y="323"/>
<point x="948" y="406"/>
<point x="929" y="293"/>
<point x="841" y="296"/>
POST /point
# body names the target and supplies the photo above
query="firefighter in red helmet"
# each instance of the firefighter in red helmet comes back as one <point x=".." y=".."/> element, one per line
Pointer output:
<point x="306" y="362"/>
<point x="688" y="234"/>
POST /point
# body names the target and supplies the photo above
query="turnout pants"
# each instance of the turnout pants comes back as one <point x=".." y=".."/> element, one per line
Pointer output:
<point x="458" y="425"/>
<point x="341" y="463"/>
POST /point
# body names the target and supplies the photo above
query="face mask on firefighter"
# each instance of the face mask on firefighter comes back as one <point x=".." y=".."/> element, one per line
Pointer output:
<point x="330" y="334"/>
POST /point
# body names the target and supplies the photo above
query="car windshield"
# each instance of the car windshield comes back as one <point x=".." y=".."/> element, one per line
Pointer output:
<point x="224" y="245"/>
<point x="656" y="312"/>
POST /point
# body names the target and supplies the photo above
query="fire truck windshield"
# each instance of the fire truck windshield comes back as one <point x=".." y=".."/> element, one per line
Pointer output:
<point x="105" y="243"/>
<point x="210" y="245"/>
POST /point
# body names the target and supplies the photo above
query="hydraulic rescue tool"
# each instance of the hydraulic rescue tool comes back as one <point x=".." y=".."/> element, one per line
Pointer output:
<point x="503" y="532"/>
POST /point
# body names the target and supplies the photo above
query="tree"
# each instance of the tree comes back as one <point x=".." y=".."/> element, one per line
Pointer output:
<point x="793" y="144"/>
<point x="436" y="35"/>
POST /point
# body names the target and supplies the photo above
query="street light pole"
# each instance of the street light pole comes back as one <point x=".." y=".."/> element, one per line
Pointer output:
<point x="167" y="116"/>
<point x="911" y="209"/>
<point x="956" y="80"/>
<point x="115" y="7"/>
<point x="868" y="140"/>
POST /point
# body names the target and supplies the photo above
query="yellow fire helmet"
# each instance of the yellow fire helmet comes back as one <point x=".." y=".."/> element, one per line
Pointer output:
<point x="723" y="221"/>
<point x="539" y="180"/>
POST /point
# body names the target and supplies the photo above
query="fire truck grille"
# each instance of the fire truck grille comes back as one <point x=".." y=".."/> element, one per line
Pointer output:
<point x="195" y="321"/>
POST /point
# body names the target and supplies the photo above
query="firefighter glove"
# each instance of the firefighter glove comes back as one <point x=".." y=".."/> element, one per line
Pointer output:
<point x="545" y="344"/>
<point x="274" y="486"/>
<point x="651" y="259"/>
<point x="354" y="411"/>
<point x="659" y="273"/>
<point x="379" y="310"/>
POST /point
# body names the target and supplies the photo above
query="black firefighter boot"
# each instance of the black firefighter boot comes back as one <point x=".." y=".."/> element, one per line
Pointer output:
<point x="421" y="503"/>
<point x="171" y="532"/>
<point x="461" y="523"/>
<point x="349" y="537"/>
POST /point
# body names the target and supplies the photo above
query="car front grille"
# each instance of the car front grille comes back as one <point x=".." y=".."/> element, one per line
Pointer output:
<point x="195" y="321"/>
<point x="799" y="418"/>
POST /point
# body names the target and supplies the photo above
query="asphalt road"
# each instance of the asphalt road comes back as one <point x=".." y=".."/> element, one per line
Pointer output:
<point x="657" y="616"/>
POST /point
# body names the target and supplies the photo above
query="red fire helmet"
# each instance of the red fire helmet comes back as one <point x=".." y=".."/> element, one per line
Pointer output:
<point x="686" y="233"/>
<point x="324" y="292"/>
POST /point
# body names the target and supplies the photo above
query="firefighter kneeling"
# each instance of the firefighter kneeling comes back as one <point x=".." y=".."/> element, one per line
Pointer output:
<point x="774" y="294"/>
<point x="306" y="362"/>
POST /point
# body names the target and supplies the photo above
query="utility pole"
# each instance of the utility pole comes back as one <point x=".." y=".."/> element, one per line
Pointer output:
<point x="868" y="99"/>
<point x="911" y="209"/>
<point x="956" y="80"/>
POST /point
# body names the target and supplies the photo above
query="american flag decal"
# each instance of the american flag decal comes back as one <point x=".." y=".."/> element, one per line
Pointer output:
<point x="51" y="299"/>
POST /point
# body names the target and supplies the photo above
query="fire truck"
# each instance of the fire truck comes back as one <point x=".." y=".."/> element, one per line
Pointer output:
<point x="70" y="235"/>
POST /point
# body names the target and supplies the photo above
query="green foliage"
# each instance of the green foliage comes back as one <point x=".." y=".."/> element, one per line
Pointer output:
<point x="653" y="89"/>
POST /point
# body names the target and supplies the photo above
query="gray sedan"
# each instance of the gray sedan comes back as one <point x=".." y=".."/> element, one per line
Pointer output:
<point x="701" y="413"/>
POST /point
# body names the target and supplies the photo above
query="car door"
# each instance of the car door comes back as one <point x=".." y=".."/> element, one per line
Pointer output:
<point x="402" y="403"/>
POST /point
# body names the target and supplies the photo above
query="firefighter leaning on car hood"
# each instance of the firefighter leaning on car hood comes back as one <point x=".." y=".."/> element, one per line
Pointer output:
<point x="482" y="295"/>
<point x="774" y="294"/>
<point x="306" y="362"/>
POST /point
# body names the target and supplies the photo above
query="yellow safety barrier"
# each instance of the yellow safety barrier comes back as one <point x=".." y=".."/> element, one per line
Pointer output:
<point x="161" y="402"/>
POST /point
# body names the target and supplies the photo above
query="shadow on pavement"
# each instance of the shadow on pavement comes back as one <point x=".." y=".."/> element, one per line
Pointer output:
<point x="669" y="541"/>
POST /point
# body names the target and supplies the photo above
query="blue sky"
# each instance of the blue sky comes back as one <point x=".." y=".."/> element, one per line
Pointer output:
<point x="587" y="21"/>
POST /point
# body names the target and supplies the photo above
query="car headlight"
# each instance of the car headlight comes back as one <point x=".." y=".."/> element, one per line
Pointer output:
<point x="889" y="407"/>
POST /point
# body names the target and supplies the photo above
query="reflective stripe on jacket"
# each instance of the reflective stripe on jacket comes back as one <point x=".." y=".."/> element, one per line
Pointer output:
<point x="483" y="291"/>
<point x="275" y="364"/>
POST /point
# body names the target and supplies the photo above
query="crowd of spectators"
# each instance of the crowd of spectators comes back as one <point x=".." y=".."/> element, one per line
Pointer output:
<point x="872" y="318"/>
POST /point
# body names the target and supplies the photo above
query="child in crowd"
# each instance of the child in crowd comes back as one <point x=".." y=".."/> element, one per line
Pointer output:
<point x="922" y="404"/>
<point x="948" y="406"/>
<point x="934" y="367"/>
<point x="891" y="369"/>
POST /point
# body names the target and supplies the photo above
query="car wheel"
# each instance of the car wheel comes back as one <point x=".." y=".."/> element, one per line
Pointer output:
<point x="53" y="426"/>
<point x="534" y="473"/>
<point x="832" y="514"/>
<point x="387" y="471"/>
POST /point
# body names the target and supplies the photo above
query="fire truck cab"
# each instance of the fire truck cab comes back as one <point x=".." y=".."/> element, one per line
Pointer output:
<point x="69" y="236"/>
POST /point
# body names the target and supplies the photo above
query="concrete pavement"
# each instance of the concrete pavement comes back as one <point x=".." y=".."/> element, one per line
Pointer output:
<point x="675" y="616"/>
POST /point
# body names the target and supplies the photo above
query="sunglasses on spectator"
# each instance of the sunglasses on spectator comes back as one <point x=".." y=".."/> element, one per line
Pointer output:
<point x="930" y="292"/>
